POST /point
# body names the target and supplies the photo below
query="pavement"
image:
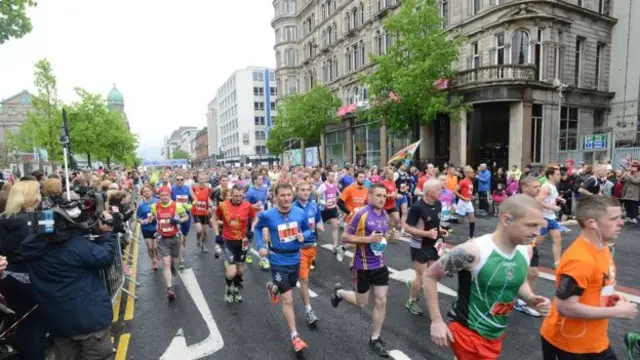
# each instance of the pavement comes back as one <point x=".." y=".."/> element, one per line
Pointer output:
<point x="200" y="325"/>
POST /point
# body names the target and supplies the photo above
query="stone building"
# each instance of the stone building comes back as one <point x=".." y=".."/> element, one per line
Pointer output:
<point x="535" y="73"/>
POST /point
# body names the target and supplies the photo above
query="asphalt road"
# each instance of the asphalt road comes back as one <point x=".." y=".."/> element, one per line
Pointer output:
<point x="255" y="329"/>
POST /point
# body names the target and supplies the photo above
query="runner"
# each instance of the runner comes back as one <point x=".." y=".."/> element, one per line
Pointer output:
<point x="367" y="231"/>
<point x="237" y="217"/>
<point x="169" y="215"/>
<point x="423" y="224"/>
<point x="464" y="193"/>
<point x="201" y="213"/>
<point x="390" y="206"/>
<point x="352" y="198"/>
<point x="257" y="197"/>
<point x="217" y="197"/>
<point x="183" y="195"/>
<point x="492" y="271"/>
<point x="309" y="247"/>
<point x="288" y="227"/>
<point x="549" y="199"/>
<point x="585" y="287"/>
<point x="327" y="197"/>
<point x="148" y="223"/>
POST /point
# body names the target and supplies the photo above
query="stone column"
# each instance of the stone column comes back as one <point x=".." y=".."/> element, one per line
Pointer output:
<point x="323" y="155"/>
<point x="527" y="114"/>
<point x="458" y="140"/>
<point x="516" y="113"/>
<point x="428" y="144"/>
<point x="384" y="144"/>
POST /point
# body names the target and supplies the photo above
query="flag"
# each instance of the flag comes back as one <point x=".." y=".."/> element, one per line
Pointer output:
<point x="406" y="153"/>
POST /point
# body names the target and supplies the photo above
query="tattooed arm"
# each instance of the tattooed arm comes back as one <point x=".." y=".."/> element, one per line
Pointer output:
<point x="461" y="257"/>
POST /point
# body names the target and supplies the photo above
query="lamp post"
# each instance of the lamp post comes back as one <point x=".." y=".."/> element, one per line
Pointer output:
<point x="16" y="156"/>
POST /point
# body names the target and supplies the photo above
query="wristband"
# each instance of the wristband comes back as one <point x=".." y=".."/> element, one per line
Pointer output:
<point x="249" y="235"/>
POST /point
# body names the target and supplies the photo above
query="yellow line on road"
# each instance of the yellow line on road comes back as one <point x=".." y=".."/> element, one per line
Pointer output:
<point x="123" y="346"/>
<point x="128" y="312"/>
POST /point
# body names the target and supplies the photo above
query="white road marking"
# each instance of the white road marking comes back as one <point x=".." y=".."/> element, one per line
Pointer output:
<point x="398" y="355"/>
<point x="347" y="253"/>
<point x="312" y="293"/>
<point x="178" y="348"/>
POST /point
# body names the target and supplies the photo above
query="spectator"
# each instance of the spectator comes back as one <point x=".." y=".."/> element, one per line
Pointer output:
<point x="484" y="187"/>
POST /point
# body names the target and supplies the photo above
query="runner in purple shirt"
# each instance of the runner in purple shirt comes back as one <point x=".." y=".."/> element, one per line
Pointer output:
<point x="367" y="231"/>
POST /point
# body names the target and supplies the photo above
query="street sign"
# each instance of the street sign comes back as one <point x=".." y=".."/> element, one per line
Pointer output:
<point x="595" y="142"/>
<point x="178" y="348"/>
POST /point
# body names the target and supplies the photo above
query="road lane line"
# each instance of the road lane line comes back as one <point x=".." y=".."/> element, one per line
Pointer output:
<point x="312" y="293"/>
<point x="123" y="346"/>
<point x="131" y="302"/>
<point x="398" y="355"/>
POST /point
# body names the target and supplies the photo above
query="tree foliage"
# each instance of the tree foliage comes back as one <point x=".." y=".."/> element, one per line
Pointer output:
<point x="303" y="117"/>
<point x="42" y="127"/>
<point x="178" y="153"/>
<point x="14" y="22"/>
<point x="421" y="54"/>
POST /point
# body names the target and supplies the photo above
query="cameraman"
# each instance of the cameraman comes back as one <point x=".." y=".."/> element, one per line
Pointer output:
<point x="70" y="288"/>
<point x="17" y="288"/>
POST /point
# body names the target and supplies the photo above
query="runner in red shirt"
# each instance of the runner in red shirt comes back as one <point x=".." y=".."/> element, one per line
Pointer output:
<point x="390" y="206"/>
<point x="464" y="193"/>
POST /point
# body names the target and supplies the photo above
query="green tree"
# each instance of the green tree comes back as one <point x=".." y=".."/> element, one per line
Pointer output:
<point x="42" y="127"/>
<point x="87" y="123"/>
<point x="403" y="87"/>
<point x="14" y="22"/>
<point x="116" y="142"/>
<point x="303" y="117"/>
<point x="179" y="154"/>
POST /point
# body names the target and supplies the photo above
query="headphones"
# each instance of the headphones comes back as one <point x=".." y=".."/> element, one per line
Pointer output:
<point x="509" y="220"/>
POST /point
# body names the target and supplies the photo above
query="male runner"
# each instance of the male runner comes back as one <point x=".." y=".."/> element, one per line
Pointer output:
<point x="352" y="198"/>
<point x="257" y="197"/>
<point x="309" y="247"/>
<point x="492" y="272"/>
<point x="148" y="223"/>
<point x="288" y="228"/>
<point x="327" y="196"/>
<point x="201" y="211"/>
<point x="237" y="217"/>
<point x="183" y="195"/>
<point x="585" y="287"/>
<point x="464" y="193"/>
<point x="549" y="199"/>
<point x="423" y="224"/>
<point x="367" y="232"/>
<point x="217" y="197"/>
<point x="169" y="215"/>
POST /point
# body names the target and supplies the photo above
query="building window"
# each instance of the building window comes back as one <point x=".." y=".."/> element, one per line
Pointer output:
<point x="444" y="12"/>
<point x="273" y="91"/>
<point x="500" y="49"/>
<point x="599" y="55"/>
<point x="290" y="33"/>
<point x="258" y="120"/>
<point x="290" y="58"/>
<point x="476" y="55"/>
<point x="603" y="7"/>
<point x="355" y="18"/>
<point x="273" y="105"/>
<point x="363" y="54"/>
<point x="260" y="135"/>
<point x="476" y="5"/>
<point x="579" y="2"/>
<point x="568" y="129"/>
<point x="258" y="105"/>
<point x="559" y="56"/>
<point x="598" y="119"/>
<point x="520" y="47"/>
<point x="379" y="43"/>
<point x="348" y="60"/>
<point x="577" y="66"/>
<point x="258" y="91"/>
<point x="536" y="133"/>
<point x="347" y="18"/>
<point x="361" y="14"/>
<point x="388" y="42"/>
<point x="356" y="57"/>
<point x="539" y="62"/>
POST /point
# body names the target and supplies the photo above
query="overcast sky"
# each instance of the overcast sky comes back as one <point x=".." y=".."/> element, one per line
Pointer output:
<point x="167" y="58"/>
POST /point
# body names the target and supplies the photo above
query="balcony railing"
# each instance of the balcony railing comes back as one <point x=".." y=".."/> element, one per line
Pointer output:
<point x="495" y="73"/>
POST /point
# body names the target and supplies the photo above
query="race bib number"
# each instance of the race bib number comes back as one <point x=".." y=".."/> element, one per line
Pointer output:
<point x="403" y="187"/>
<point x="445" y="214"/>
<point x="312" y="223"/>
<point x="330" y="201"/>
<point x="234" y="223"/>
<point x="182" y="199"/>
<point x="502" y="309"/>
<point x="287" y="232"/>
<point x="201" y="205"/>
<point x="165" y="225"/>
<point x="245" y="244"/>
<point x="607" y="295"/>
<point x="378" y="248"/>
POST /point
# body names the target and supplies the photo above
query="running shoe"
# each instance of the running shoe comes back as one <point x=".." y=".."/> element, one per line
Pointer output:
<point x="632" y="342"/>
<point x="298" y="343"/>
<point x="378" y="346"/>
<point x="413" y="307"/>
<point x="203" y="248"/>
<point x="311" y="317"/>
<point x="335" y="299"/>
<point x="237" y="297"/>
<point x="522" y="307"/>
<point x="313" y="264"/>
<point x="171" y="295"/>
<point x="564" y="229"/>
<point x="340" y="250"/>
<point x="409" y="284"/>
<point x="181" y="265"/>
<point x="228" y="295"/>
<point x="272" y="290"/>
<point x="248" y="259"/>
<point x="264" y="264"/>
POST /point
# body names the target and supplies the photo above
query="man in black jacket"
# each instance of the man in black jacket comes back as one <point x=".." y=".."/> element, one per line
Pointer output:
<point x="71" y="291"/>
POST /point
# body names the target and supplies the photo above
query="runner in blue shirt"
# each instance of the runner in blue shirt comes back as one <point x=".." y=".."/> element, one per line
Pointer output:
<point x="285" y="229"/>
<point x="257" y="196"/>
<point x="148" y="222"/>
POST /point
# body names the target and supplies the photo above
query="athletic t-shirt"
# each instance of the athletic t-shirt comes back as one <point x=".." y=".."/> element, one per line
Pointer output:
<point x="365" y="222"/>
<point x="424" y="217"/>
<point x="466" y="188"/>
<point x="390" y="186"/>
<point x="594" y="272"/>
<point x="488" y="292"/>
<point x="354" y="197"/>
<point x="236" y="219"/>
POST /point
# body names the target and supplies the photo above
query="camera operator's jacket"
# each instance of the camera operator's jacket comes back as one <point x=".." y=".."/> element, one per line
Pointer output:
<point x="68" y="284"/>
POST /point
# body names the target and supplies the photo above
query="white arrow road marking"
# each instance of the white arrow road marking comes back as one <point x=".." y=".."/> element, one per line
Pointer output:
<point x="404" y="275"/>
<point x="398" y="355"/>
<point x="312" y="293"/>
<point x="178" y="349"/>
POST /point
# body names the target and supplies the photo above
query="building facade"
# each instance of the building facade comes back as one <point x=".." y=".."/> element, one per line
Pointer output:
<point x="13" y="113"/>
<point x="212" y="129"/>
<point x="242" y="112"/>
<point x="201" y="146"/>
<point x="535" y="72"/>
<point x="177" y="140"/>
<point x="115" y="101"/>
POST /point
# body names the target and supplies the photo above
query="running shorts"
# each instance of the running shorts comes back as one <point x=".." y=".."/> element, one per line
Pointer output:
<point x="235" y="252"/>
<point x="306" y="259"/>
<point x="552" y="224"/>
<point x="364" y="279"/>
<point x="169" y="246"/>
<point x="329" y="214"/>
<point x="201" y="219"/>
<point x="425" y="254"/>
<point x="285" y="276"/>
<point x="147" y="234"/>
<point x="469" y="345"/>
<point x="463" y="208"/>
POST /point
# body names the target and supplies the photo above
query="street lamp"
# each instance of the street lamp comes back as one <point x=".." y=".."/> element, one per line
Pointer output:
<point x="16" y="156"/>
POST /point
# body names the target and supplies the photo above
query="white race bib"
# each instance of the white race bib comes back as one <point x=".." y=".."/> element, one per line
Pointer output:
<point x="182" y="199"/>
<point x="287" y="232"/>
<point x="312" y="223"/>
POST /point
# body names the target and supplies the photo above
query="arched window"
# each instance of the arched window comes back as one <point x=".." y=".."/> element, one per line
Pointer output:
<point x="347" y="18"/>
<point x="355" y="18"/>
<point x="290" y="57"/>
<point x="335" y="32"/>
<point x="330" y="7"/>
<point x="520" y="47"/>
<point x="330" y="35"/>
<point x="379" y="44"/>
<point x="355" y="95"/>
<point x="361" y="14"/>
<point x="363" y="56"/>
